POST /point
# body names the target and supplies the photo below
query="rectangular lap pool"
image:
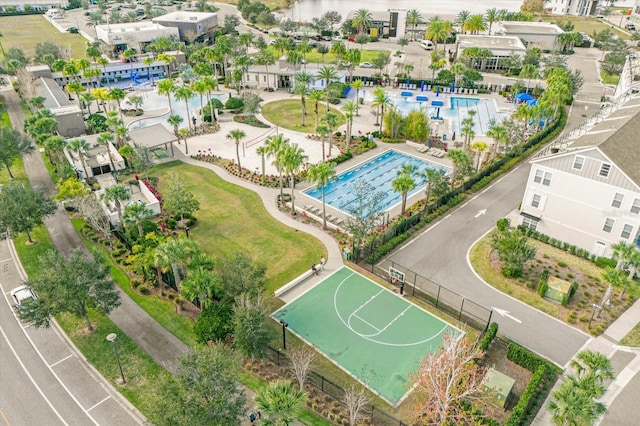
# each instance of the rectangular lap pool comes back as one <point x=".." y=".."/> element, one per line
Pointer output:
<point x="379" y="172"/>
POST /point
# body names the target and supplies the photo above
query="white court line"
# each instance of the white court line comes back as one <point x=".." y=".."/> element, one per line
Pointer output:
<point x="396" y="318"/>
<point x="367" y="302"/>
<point x="5" y="260"/>
<point x="95" y="405"/>
<point x="31" y="377"/>
<point x="62" y="360"/>
<point x="366" y="322"/>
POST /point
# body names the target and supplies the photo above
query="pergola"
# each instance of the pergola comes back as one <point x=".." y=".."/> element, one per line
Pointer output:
<point x="153" y="137"/>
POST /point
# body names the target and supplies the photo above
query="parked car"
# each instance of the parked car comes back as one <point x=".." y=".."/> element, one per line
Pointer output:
<point x="73" y="30"/>
<point x="366" y="65"/>
<point x="630" y="26"/>
<point x="22" y="294"/>
<point x="427" y="44"/>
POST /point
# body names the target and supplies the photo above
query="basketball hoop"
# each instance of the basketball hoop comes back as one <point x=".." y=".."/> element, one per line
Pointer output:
<point x="394" y="279"/>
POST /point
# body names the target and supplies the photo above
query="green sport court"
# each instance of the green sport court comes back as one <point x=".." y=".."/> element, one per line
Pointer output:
<point x="375" y="335"/>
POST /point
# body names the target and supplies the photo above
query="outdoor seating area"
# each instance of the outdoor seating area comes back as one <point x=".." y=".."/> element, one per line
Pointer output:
<point x="434" y="152"/>
<point x="315" y="211"/>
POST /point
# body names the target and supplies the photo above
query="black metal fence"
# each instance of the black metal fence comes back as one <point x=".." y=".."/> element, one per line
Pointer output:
<point x="318" y="381"/>
<point x="441" y="297"/>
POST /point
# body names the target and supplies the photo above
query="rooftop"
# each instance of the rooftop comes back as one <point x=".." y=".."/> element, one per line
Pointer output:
<point x="152" y="136"/>
<point x="130" y="27"/>
<point x="530" y="28"/>
<point x="53" y="94"/>
<point x="185" y="16"/>
<point x="491" y="42"/>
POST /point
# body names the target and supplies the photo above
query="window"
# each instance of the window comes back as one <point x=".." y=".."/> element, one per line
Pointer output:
<point x="538" y="176"/>
<point x="578" y="162"/>
<point x="635" y="208"/>
<point x="617" y="200"/>
<point x="547" y="179"/>
<point x="530" y="223"/>
<point x="608" y="225"/>
<point x="535" y="201"/>
<point x="605" y="168"/>
<point x="626" y="231"/>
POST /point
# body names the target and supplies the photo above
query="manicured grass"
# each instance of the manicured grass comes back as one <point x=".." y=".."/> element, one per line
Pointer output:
<point x="4" y="117"/>
<point x="609" y="78"/>
<point x="24" y="32"/>
<point x="588" y="25"/>
<point x="29" y="253"/>
<point x="140" y="370"/>
<point x="161" y="310"/>
<point x="232" y="219"/>
<point x="288" y="114"/>
<point x="632" y="338"/>
<point x="17" y="170"/>
<point x="314" y="57"/>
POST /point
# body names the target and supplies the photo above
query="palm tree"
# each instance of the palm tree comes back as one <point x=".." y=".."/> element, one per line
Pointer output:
<point x="404" y="183"/>
<point x="413" y="18"/>
<point x="175" y="121"/>
<point x="184" y="93"/>
<point x="457" y="68"/>
<point x="263" y="151"/>
<point x="103" y="62"/>
<point x="499" y="134"/>
<point x="466" y="128"/>
<point x="362" y="20"/>
<point x="571" y="405"/>
<point x="321" y="174"/>
<point x="177" y="253"/>
<point x="461" y="19"/>
<point x="328" y="74"/>
<point x="166" y="60"/>
<point x="167" y="87"/>
<point x="136" y="213"/>
<point x="438" y="31"/>
<point x="349" y="109"/>
<point x="302" y="81"/>
<point x="461" y="165"/>
<point x="330" y="120"/>
<point x="280" y="403"/>
<point x="491" y="15"/>
<point x="476" y="24"/>
<point x="479" y="148"/>
<point x="403" y="42"/>
<point x="202" y="285"/>
<point x="357" y="85"/>
<point x="323" y="132"/>
<point x="276" y="144"/>
<point x="529" y="71"/>
<point x="265" y="58"/>
<point x="148" y="61"/>
<point x="117" y="94"/>
<point x="615" y="278"/>
<point x="316" y="96"/>
<point x="282" y="44"/>
<point x="80" y="147"/>
<point x="430" y="175"/>
<point x="293" y="160"/>
<point x="200" y="87"/>
<point x="381" y="99"/>
<point x="339" y="50"/>
<point x="105" y="138"/>
<point x="77" y="88"/>
<point x="117" y="193"/>
<point x="236" y="135"/>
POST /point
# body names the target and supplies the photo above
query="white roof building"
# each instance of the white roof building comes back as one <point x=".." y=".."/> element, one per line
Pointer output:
<point x="134" y="33"/>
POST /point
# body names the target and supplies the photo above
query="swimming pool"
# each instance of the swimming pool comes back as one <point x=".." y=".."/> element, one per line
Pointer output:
<point x="378" y="172"/>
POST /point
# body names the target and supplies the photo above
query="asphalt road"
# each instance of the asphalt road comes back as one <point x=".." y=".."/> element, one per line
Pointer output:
<point x="43" y="380"/>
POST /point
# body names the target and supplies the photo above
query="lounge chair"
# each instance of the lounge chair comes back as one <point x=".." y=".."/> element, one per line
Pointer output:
<point x="423" y="148"/>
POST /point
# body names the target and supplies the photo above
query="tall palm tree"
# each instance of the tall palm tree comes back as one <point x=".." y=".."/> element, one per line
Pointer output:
<point x="280" y="402"/>
<point x="431" y="176"/>
<point x="616" y="278"/>
<point x="572" y="405"/>
<point x="200" y="87"/>
<point x="357" y="85"/>
<point x="529" y="71"/>
<point x="461" y="19"/>
<point x="498" y="132"/>
<point x="276" y="145"/>
<point x="166" y="60"/>
<point x="330" y="120"/>
<point x="476" y="24"/>
<point x="438" y="31"/>
<point x="339" y="50"/>
<point x="302" y="81"/>
<point x="175" y="121"/>
<point x="148" y="61"/>
<point x="321" y="174"/>
<point x="461" y="165"/>
<point x="381" y="99"/>
<point x="263" y="151"/>
<point x="479" y="148"/>
<point x="316" y="96"/>
<point x="265" y="57"/>
<point x="167" y="87"/>
<point x="413" y="18"/>
<point x="236" y="135"/>
<point x="80" y="147"/>
<point x="177" y="253"/>
<point x="184" y="93"/>
<point x="491" y="15"/>
<point x="293" y="161"/>
<point x="211" y="84"/>
<point x="328" y="74"/>
<point x="135" y="213"/>
<point x="404" y="183"/>
<point x="362" y="20"/>
<point x="106" y="138"/>
<point x="349" y="109"/>
<point x="103" y="62"/>
<point x="117" y="94"/>
<point x="323" y="132"/>
<point x="117" y="193"/>
<point x="76" y="88"/>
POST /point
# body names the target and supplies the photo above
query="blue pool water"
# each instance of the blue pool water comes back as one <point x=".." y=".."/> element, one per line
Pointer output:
<point x="378" y="172"/>
<point x="454" y="109"/>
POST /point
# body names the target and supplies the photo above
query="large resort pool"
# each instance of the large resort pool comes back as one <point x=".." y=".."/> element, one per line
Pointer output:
<point x="379" y="172"/>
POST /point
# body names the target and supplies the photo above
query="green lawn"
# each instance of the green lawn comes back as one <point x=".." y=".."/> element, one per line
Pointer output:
<point x="288" y="114"/>
<point x="29" y="253"/>
<point x="588" y="25"/>
<point x="24" y="32"/>
<point x="233" y="219"/>
<point x="330" y="58"/>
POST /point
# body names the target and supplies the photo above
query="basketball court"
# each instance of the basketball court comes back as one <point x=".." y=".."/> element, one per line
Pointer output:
<point x="370" y="332"/>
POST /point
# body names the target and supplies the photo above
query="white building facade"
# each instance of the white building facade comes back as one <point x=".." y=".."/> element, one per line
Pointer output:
<point x="571" y="7"/>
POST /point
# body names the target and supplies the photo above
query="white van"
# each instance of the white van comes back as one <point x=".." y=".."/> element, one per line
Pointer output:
<point x="427" y="44"/>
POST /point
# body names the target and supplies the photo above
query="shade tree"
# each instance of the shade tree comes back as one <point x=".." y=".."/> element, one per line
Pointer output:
<point x="23" y="208"/>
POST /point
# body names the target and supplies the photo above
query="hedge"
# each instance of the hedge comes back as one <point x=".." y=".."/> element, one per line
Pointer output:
<point x="488" y="337"/>
<point x="527" y="359"/>
<point x="520" y="413"/>
<point x="542" y="282"/>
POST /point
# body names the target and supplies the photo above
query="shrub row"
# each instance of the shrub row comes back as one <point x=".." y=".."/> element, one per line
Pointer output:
<point x="542" y="282"/>
<point x="530" y="395"/>
<point x="527" y="359"/>
<point x="488" y="337"/>
<point x="343" y="157"/>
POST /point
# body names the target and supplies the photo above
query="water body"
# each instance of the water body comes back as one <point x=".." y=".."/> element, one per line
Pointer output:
<point x="306" y="10"/>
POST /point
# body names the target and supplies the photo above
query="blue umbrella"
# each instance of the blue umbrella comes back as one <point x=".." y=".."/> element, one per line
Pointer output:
<point x="422" y="86"/>
<point x="453" y="87"/>
<point x="438" y="91"/>
<point x="524" y="96"/>
<point x="408" y="82"/>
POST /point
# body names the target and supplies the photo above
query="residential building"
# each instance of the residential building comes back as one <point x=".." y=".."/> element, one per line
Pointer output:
<point x="140" y="193"/>
<point x="282" y="75"/>
<point x="533" y="34"/>
<point x="502" y="48"/>
<point x="390" y="23"/>
<point x="587" y="192"/>
<point x="571" y="7"/>
<point x="66" y="111"/>
<point x="96" y="160"/>
<point x="192" y="26"/>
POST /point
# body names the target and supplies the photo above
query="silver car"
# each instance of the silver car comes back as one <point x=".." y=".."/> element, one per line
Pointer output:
<point x="22" y="294"/>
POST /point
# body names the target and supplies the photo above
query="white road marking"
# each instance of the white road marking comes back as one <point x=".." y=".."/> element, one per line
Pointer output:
<point x="62" y="360"/>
